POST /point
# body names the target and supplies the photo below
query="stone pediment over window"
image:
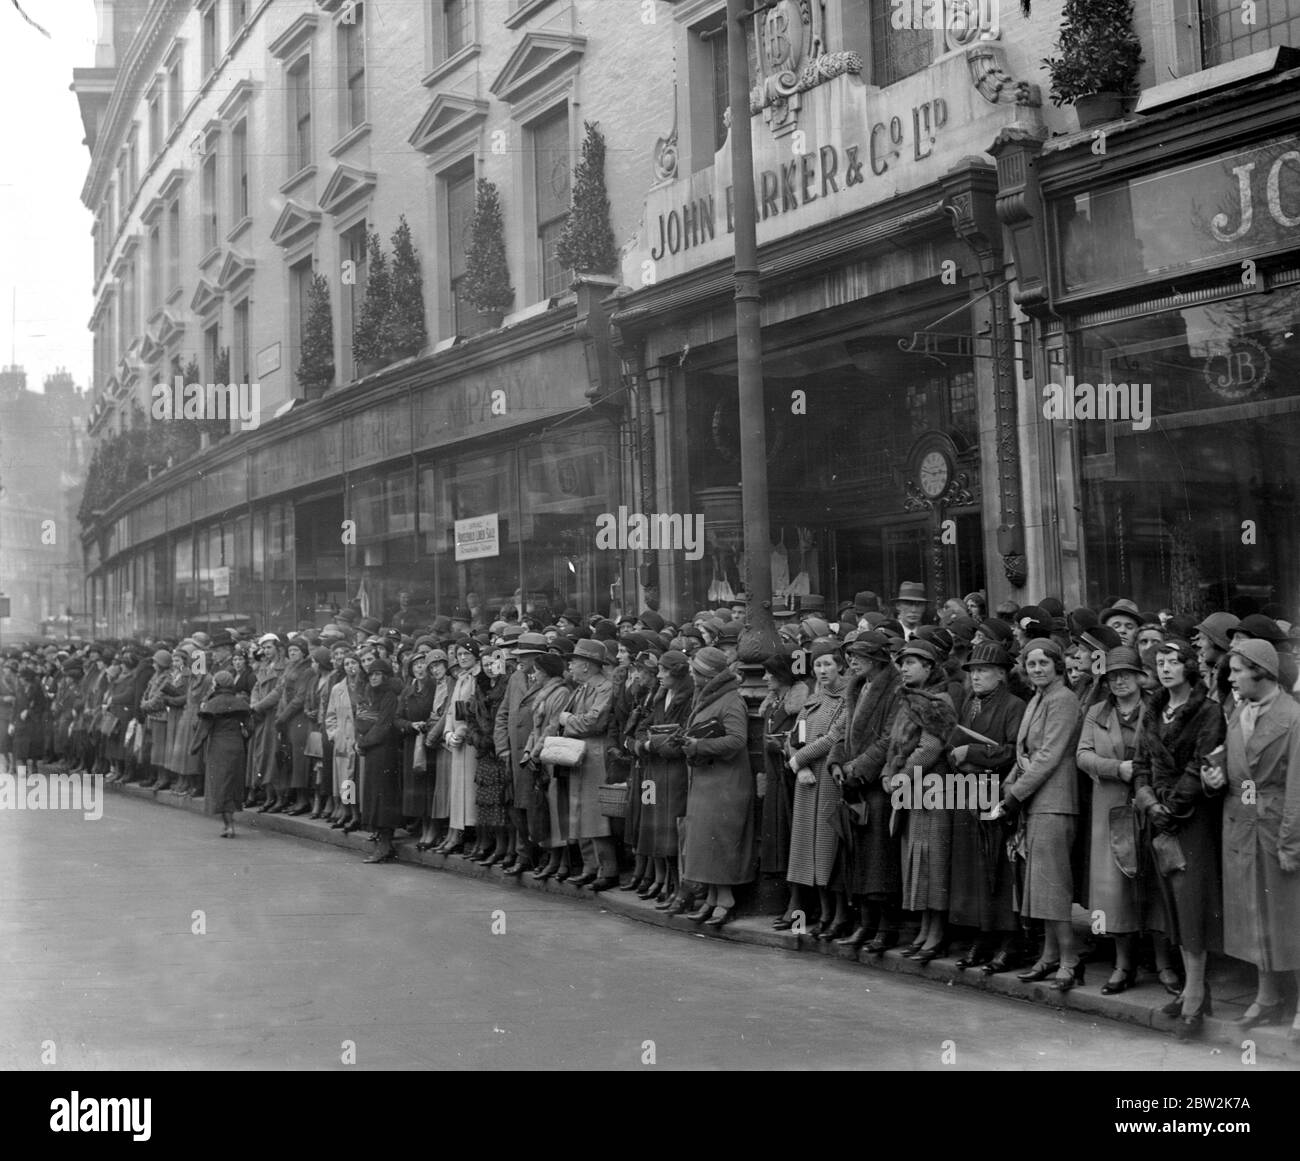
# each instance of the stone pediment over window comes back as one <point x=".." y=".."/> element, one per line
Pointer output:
<point x="448" y="117"/>
<point x="167" y="330"/>
<point x="235" y="100"/>
<point x="150" y="213"/>
<point x="150" y="350"/>
<point x="536" y="59"/>
<point x="294" y="37"/>
<point x="171" y="184"/>
<point x="206" y="296"/>
<point x="295" y="222"/>
<point x="345" y="187"/>
<point x="234" y="269"/>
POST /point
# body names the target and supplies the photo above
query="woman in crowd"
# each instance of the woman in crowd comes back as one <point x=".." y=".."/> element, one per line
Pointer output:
<point x="263" y="761"/>
<point x="872" y="855"/>
<point x="493" y="781"/>
<point x="223" y="737"/>
<point x="1044" y="784"/>
<point x="436" y="756"/>
<point x="379" y="748"/>
<point x="340" y="726"/>
<point x="814" y="840"/>
<point x="1106" y="751"/>
<point x="1261" y="830"/>
<point x="718" y="848"/>
<point x="9" y="683"/>
<point x="786" y="696"/>
<point x="548" y="704"/>
<point x="634" y="688"/>
<point x="28" y="720"/>
<point x="462" y="757"/>
<point x="121" y="705"/>
<point x="658" y="744"/>
<point x="180" y="721"/>
<point x="983" y="881"/>
<point x="977" y="606"/>
<point x="196" y="694"/>
<point x="154" y="705"/>
<point x="414" y="706"/>
<point x="921" y="727"/>
<point x="318" y="751"/>
<point x="1180" y="728"/>
<point x="241" y="666"/>
<point x="296" y="691"/>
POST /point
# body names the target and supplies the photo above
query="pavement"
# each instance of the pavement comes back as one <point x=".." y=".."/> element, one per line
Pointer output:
<point x="306" y="951"/>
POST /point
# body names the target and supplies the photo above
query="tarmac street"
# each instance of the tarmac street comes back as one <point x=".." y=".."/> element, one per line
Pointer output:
<point x="141" y="940"/>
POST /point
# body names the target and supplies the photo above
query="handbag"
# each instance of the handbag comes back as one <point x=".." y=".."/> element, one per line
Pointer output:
<point x="1169" y="854"/>
<point x="420" y="755"/>
<point x="613" y="799"/>
<point x="1124" y="825"/>
<point x="314" y="747"/>
<point x="557" y="751"/>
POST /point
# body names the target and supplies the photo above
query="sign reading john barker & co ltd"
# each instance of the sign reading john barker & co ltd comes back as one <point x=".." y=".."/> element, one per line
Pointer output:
<point x="851" y="147"/>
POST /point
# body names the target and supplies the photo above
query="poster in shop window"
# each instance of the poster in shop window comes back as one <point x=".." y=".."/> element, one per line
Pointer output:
<point x="477" y="537"/>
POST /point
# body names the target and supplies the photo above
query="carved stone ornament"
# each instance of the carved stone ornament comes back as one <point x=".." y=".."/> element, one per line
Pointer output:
<point x="987" y="64"/>
<point x="961" y="492"/>
<point x="665" y="155"/>
<point x="968" y="22"/>
<point x="1016" y="569"/>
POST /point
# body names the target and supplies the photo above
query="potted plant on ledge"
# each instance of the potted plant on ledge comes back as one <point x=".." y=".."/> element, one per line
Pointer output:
<point x="1100" y="57"/>
<point x="487" y="282"/>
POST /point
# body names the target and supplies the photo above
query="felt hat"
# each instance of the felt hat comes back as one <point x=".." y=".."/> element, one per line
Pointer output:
<point x="866" y="601"/>
<point x="530" y="645"/>
<point x="1259" y="653"/>
<point x="1123" y="658"/>
<point x="1217" y="626"/>
<point x="1047" y="645"/>
<point x="911" y="591"/>
<point x="1122" y="608"/>
<point x="709" y="662"/>
<point x="921" y="649"/>
<point x="988" y="655"/>
<point x="590" y="650"/>
<point x="869" y="643"/>
<point x="651" y="620"/>
<point x="1262" y="628"/>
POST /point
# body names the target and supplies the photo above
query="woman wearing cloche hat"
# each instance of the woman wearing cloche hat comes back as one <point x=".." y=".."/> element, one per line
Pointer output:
<point x="222" y="736"/>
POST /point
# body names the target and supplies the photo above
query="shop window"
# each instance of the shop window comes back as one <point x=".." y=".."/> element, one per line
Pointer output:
<point x="1189" y="475"/>
<point x="1226" y="36"/>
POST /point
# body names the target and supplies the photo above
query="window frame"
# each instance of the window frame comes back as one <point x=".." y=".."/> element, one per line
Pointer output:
<point x="351" y="296"/>
<point x="554" y="113"/>
<point x="298" y="75"/>
<point x="353" y="34"/>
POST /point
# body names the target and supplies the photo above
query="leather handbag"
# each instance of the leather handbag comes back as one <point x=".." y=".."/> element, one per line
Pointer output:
<point x="1169" y="854"/>
<point x="314" y="747"/>
<point x="557" y="751"/>
<point x="420" y="755"/>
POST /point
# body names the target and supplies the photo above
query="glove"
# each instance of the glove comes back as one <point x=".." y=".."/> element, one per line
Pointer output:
<point x="1011" y="807"/>
<point x="1162" y="820"/>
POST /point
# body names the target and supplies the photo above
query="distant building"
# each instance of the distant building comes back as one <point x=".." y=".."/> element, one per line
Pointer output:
<point x="43" y="452"/>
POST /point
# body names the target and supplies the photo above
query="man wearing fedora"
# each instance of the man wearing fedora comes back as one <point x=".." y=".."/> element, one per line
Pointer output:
<point x="910" y="606"/>
<point x="589" y="716"/>
<point x="514" y="722"/>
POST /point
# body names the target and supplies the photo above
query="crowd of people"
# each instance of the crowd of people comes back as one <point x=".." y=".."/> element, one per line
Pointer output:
<point x="1142" y="765"/>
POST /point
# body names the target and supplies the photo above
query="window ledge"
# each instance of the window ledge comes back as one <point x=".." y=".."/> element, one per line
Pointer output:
<point x="174" y="294"/>
<point x="306" y="172"/>
<point x="239" y="227"/>
<point x="524" y="11"/>
<point x="451" y="64"/>
<point x="350" y="138"/>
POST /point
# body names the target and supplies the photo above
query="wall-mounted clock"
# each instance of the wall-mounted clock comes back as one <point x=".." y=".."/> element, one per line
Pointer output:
<point x="932" y="465"/>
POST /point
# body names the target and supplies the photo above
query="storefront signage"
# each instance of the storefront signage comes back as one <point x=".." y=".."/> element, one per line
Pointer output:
<point x="855" y="146"/>
<point x="477" y="536"/>
<point x="221" y="582"/>
<point x="1240" y="206"/>
<point x="268" y="360"/>
<point x="1237" y="369"/>
<point x="379" y="433"/>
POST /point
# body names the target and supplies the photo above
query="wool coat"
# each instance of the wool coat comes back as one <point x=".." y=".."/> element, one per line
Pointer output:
<point x="181" y="721"/>
<point x="380" y="747"/>
<point x="1045" y="781"/>
<point x="296" y="695"/>
<point x="917" y="738"/>
<point x="592" y="706"/>
<point x="341" y="728"/>
<point x="718" y="846"/>
<point x="414" y="705"/>
<point x="1261" y="902"/>
<point x="547" y="704"/>
<point x="264" y="702"/>
<point x="814" y="822"/>
<point x="981" y="879"/>
<point x="875" y="868"/>
<point x="1099" y="754"/>
<point x="779" y="713"/>
<point x="1167" y="770"/>
<point x="663" y="766"/>
<point x="222" y="735"/>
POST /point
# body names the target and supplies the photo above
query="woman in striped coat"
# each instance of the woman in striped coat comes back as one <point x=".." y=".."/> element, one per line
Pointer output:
<point x="813" y="841"/>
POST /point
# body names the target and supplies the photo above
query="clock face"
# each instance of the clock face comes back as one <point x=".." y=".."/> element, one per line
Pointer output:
<point x="934" y="474"/>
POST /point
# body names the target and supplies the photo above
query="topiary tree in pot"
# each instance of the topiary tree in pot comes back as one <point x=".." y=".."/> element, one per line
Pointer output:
<point x="372" y="341"/>
<point x="1100" y="55"/>
<point x="407" y="327"/>
<point x="487" y="282"/>
<point x="316" y="365"/>
<point x="586" y="245"/>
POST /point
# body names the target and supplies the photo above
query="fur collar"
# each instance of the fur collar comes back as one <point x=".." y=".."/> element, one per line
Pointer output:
<point x="931" y="709"/>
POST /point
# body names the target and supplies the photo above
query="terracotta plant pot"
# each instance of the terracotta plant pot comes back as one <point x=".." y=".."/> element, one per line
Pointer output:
<point x="492" y="318"/>
<point x="1099" y="109"/>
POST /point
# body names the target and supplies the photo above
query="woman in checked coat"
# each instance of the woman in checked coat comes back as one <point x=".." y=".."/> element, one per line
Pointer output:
<point x="718" y="848"/>
<point x="814" y="842"/>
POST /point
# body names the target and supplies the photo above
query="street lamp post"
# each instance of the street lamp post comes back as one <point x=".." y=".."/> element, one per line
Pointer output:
<point x="758" y="639"/>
